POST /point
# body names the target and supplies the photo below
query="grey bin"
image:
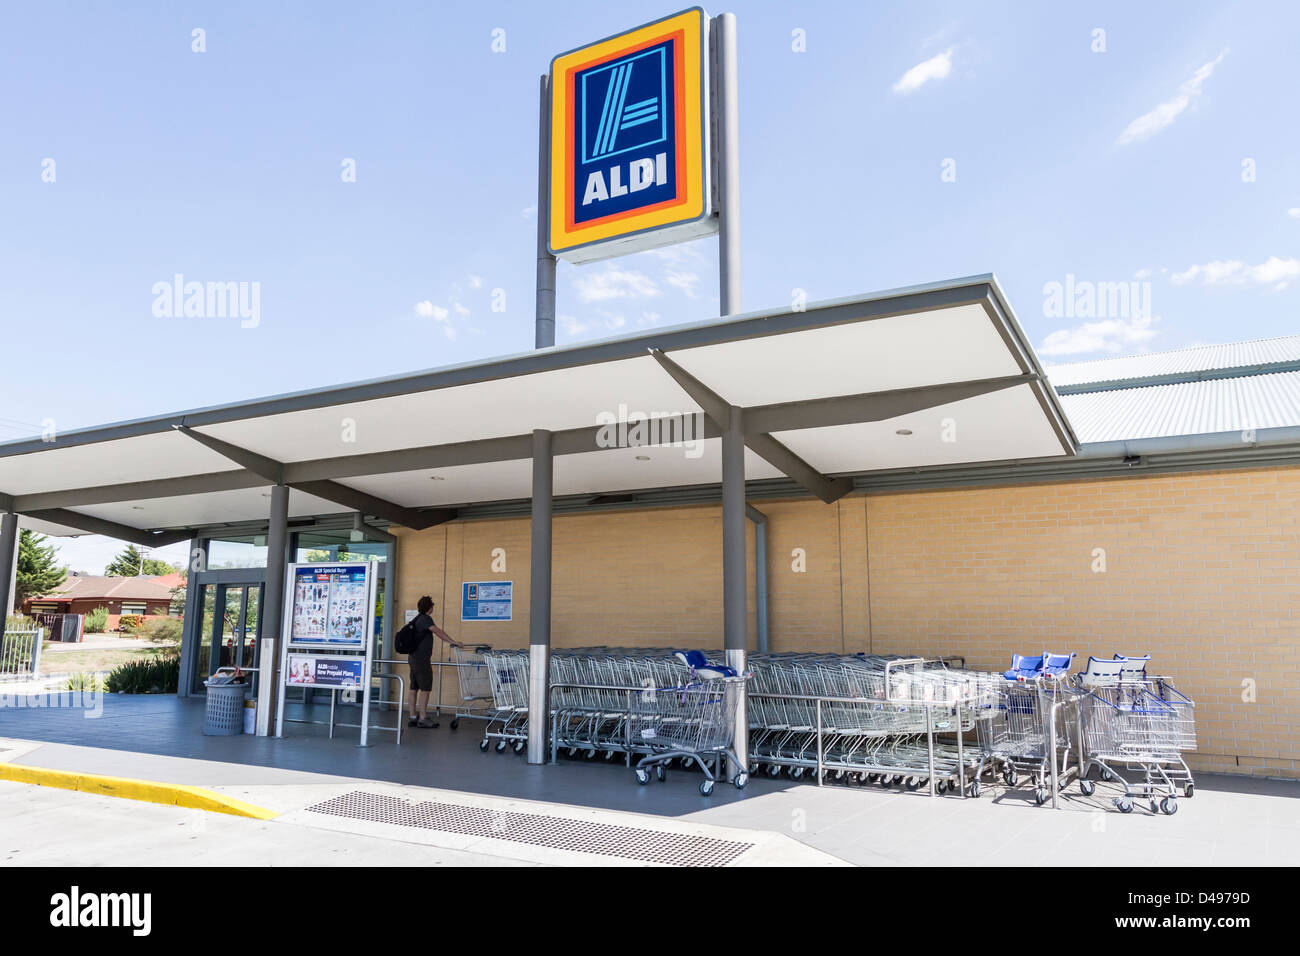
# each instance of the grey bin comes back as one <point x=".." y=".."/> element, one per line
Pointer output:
<point x="224" y="714"/>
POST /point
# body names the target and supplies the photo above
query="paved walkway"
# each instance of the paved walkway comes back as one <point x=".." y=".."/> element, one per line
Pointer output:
<point x="440" y="791"/>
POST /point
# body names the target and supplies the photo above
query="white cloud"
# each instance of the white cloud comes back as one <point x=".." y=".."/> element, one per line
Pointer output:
<point x="935" y="68"/>
<point x="1274" y="271"/>
<point x="427" y="310"/>
<point x="1142" y="274"/>
<point x="529" y="212"/>
<point x="475" y="282"/>
<point x="615" y="283"/>
<point x="460" y="309"/>
<point x="1108" y="335"/>
<point x="571" y="325"/>
<point x="1148" y="124"/>
<point x="1294" y="213"/>
<point x="683" y="281"/>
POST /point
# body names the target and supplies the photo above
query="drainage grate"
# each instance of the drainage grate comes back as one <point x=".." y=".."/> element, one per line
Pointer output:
<point x="536" y="829"/>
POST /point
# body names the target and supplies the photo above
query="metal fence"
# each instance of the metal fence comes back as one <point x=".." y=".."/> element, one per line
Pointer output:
<point x="20" y="654"/>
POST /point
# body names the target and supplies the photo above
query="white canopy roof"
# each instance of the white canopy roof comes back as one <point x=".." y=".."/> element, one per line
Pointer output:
<point x="915" y="377"/>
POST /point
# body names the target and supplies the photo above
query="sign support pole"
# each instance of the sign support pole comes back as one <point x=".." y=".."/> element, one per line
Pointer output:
<point x="545" y="261"/>
<point x="726" y="147"/>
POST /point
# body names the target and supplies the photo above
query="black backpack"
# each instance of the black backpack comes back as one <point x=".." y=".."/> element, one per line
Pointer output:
<point x="406" y="640"/>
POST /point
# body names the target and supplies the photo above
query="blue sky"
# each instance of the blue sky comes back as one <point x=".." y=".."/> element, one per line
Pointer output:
<point x="1172" y="158"/>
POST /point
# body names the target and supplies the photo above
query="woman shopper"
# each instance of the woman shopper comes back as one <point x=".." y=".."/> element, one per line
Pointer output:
<point x="420" y="661"/>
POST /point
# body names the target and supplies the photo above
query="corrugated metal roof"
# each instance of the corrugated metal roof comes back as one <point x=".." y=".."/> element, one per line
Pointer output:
<point x="1187" y="408"/>
<point x="1180" y="362"/>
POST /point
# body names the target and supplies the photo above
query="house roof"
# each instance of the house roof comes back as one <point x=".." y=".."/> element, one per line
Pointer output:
<point x="88" y="587"/>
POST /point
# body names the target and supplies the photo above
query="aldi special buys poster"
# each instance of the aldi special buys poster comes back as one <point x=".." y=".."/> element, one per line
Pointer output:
<point x="329" y="605"/>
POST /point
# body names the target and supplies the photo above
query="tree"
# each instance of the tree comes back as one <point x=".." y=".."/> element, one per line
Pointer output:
<point x="38" y="575"/>
<point x="131" y="563"/>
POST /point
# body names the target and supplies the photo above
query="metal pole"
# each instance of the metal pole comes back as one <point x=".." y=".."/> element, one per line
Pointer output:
<point x="545" y="261"/>
<point x="819" y="742"/>
<point x="735" y="625"/>
<point x="727" y="146"/>
<point x="929" y="744"/>
<point x="271" y="615"/>
<point x="192" y="634"/>
<point x="760" y="576"/>
<point x="539" y="602"/>
<point x="8" y="564"/>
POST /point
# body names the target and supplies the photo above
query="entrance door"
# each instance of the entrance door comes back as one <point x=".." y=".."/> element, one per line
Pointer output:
<point x="232" y="625"/>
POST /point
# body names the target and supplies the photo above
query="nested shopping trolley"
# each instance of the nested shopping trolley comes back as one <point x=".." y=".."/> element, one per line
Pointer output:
<point x="475" y="679"/>
<point x="694" y="723"/>
<point x="1023" y="728"/>
<point x="1135" y="730"/>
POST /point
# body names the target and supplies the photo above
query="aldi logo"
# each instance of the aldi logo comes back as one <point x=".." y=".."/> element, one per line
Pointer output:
<point x="628" y="147"/>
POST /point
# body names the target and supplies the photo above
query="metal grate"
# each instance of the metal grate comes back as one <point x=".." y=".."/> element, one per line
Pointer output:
<point x="537" y="829"/>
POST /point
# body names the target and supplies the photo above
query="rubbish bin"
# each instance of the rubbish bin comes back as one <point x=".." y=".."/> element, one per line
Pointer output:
<point x="224" y="714"/>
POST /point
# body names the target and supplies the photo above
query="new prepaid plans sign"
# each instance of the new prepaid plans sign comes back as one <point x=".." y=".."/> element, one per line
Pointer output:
<point x="325" y="670"/>
<point x="487" y="600"/>
<point x="628" y="150"/>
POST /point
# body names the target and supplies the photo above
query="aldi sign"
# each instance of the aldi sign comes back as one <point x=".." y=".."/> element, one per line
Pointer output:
<point x="629" y="150"/>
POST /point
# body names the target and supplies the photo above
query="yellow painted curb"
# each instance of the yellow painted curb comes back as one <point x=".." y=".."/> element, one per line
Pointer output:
<point x="171" y="794"/>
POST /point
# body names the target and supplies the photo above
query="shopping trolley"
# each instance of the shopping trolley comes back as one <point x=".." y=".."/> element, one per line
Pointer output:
<point x="1137" y="723"/>
<point x="475" y="684"/>
<point x="508" y="679"/>
<point x="694" y="723"/>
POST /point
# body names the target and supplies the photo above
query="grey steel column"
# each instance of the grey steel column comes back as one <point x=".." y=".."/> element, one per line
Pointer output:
<point x="735" y="625"/>
<point x="545" y="261"/>
<point x="760" y="575"/>
<point x="539" y="598"/>
<point x="8" y="563"/>
<point x="272" y="612"/>
<point x="727" y="109"/>
<point x="192" y="616"/>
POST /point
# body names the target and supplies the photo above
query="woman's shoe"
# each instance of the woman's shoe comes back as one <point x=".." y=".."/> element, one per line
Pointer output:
<point x="426" y="722"/>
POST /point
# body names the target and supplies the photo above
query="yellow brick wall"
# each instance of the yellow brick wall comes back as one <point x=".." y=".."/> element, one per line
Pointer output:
<point x="1201" y="571"/>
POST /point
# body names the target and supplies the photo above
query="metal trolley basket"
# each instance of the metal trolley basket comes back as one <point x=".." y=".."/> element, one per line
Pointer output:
<point x="693" y="722"/>
<point x="475" y="684"/>
<point x="1141" y="724"/>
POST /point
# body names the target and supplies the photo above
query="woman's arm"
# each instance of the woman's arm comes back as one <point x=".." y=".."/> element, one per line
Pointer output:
<point x="443" y="636"/>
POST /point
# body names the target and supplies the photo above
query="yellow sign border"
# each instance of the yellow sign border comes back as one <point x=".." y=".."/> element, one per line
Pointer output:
<point x="560" y="238"/>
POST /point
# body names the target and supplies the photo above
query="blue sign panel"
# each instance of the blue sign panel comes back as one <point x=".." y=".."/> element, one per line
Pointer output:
<point x="318" y="670"/>
<point x="487" y="600"/>
<point x="330" y="605"/>
<point x="625" y="134"/>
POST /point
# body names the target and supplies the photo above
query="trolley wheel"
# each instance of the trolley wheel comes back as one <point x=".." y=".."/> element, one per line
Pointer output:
<point x="483" y="745"/>
<point x="1188" y="790"/>
<point x="455" y="723"/>
<point x="501" y="746"/>
<point x="590" y="755"/>
<point x="520" y="745"/>
<point x="1062" y="783"/>
<point x="941" y="787"/>
<point x="913" y="783"/>
<point x="1169" y="806"/>
<point x="706" y="788"/>
<point x="774" y="770"/>
<point x="1124" y="804"/>
<point x="1087" y="787"/>
<point x="642" y="776"/>
<point x="1041" y="795"/>
<point x="885" y="781"/>
<point x="609" y="755"/>
<point x="661" y="773"/>
<point x="1011" y="778"/>
<point x="974" y="789"/>
<point x="1107" y="776"/>
<point x="796" y="772"/>
<point x="739" y="781"/>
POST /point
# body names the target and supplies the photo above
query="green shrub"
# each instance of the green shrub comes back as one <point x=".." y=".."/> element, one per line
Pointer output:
<point x="86" y="683"/>
<point x="161" y="630"/>
<point x="17" y="622"/>
<point x="96" y="621"/>
<point x="130" y="622"/>
<point x="159" y="674"/>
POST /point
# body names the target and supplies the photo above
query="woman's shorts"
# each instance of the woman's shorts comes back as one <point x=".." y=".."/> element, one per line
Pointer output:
<point x="422" y="675"/>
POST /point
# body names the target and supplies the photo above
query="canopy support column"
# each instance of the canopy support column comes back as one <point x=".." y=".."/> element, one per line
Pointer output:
<point x="8" y="565"/>
<point x="272" y="615"/>
<point x="735" y="626"/>
<point x="539" y="599"/>
<point x="192" y="616"/>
